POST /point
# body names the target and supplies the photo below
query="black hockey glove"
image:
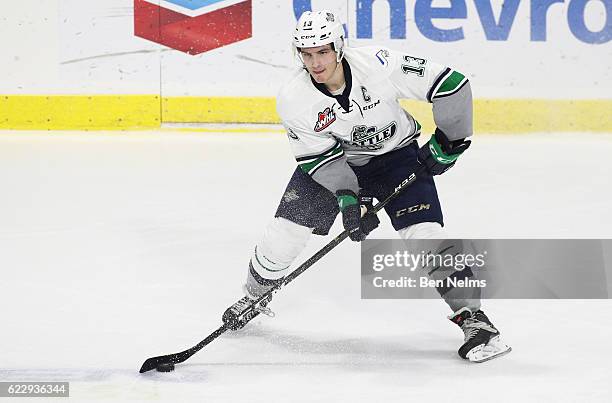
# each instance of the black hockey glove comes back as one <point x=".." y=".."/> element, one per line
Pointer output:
<point x="351" y="208"/>
<point x="439" y="153"/>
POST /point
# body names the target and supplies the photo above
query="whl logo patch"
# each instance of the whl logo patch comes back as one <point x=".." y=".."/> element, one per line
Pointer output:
<point x="193" y="26"/>
<point x="326" y="118"/>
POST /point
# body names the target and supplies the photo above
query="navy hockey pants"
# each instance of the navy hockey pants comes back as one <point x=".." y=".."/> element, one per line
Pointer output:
<point x="307" y="203"/>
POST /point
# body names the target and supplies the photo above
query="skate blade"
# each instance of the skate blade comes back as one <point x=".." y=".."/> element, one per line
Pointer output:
<point x="485" y="352"/>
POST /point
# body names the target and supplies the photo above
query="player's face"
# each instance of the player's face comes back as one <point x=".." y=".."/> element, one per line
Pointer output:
<point x="320" y="62"/>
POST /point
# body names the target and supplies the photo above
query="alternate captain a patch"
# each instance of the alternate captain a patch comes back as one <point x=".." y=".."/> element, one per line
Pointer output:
<point x="325" y="118"/>
<point x="366" y="96"/>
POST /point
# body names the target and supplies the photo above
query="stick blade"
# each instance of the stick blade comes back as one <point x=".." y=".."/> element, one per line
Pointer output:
<point x="177" y="358"/>
<point x="152" y="363"/>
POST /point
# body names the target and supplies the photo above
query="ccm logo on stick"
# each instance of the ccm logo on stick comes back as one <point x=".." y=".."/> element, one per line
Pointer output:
<point x="406" y="181"/>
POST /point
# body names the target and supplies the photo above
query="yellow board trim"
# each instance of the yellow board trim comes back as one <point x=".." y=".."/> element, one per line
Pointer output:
<point x="79" y="112"/>
<point x="219" y="110"/>
<point x="140" y="112"/>
<point x="247" y="129"/>
<point x="540" y="115"/>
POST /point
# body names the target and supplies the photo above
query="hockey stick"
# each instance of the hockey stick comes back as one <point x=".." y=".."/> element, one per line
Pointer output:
<point x="171" y="359"/>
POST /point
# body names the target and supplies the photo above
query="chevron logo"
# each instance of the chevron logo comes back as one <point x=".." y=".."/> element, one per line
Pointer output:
<point x="193" y="26"/>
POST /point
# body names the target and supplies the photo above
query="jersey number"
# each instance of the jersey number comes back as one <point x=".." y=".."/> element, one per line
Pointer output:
<point x="414" y="65"/>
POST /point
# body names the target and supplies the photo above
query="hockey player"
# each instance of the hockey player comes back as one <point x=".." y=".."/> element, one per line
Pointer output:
<point x="352" y="142"/>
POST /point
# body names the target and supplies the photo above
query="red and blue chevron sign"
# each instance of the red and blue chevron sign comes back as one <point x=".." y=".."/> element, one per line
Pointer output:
<point x="193" y="26"/>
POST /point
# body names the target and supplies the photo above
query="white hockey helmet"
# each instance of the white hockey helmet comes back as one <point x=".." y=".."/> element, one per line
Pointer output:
<point x="318" y="28"/>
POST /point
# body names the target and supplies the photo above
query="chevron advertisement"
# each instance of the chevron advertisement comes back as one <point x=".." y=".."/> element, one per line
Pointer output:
<point x="193" y="26"/>
<point x="546" y="63"/>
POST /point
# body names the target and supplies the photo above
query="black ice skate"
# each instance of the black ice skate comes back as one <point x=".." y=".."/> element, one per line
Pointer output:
<point x="244" y="310"/>
<point x="482" y="341"/>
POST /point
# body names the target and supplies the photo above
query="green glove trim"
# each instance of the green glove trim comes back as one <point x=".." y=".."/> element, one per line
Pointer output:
<point x="346" y="200"/>
<point x="439" y="155"/>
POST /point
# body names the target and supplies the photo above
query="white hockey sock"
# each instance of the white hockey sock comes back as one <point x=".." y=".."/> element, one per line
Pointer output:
<point x="282" y="242"/>
<point x="423" y="230"/>
<point x="456" y="298"/>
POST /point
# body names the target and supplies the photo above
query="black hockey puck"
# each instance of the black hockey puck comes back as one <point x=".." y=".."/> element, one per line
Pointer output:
<point x="165" y="367"/>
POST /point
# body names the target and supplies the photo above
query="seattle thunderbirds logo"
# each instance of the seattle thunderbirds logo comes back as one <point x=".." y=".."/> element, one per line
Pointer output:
<point x="371" y="138"/>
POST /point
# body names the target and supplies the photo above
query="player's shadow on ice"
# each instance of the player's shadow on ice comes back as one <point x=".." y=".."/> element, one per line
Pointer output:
<point x="358" y="349"/>
<point x="269" y="349"/>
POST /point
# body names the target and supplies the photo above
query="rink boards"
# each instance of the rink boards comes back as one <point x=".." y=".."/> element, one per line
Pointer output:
<point x="136" y="64"/>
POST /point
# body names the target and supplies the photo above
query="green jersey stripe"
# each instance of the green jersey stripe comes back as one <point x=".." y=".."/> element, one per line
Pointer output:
<point x="326" y="162"/>
<point x="316" y="157"/>
<point x="309" y="158"/>
<point x="436" y="83"/>
<point x="451" y="84"/>
<point x="311" y="167"/>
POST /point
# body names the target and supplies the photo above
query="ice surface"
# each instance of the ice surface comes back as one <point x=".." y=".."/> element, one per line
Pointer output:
<point x="115" y="247"/>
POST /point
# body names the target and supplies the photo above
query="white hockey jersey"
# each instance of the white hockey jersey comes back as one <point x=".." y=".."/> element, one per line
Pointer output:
<point x="329" y="133"/>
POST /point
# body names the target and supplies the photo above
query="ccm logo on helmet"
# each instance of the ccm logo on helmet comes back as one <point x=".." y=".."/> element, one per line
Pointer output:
<point x="317" y="29"/>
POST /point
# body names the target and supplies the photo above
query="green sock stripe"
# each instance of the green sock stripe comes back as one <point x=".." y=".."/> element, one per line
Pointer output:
<point x="268" y="269"/>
